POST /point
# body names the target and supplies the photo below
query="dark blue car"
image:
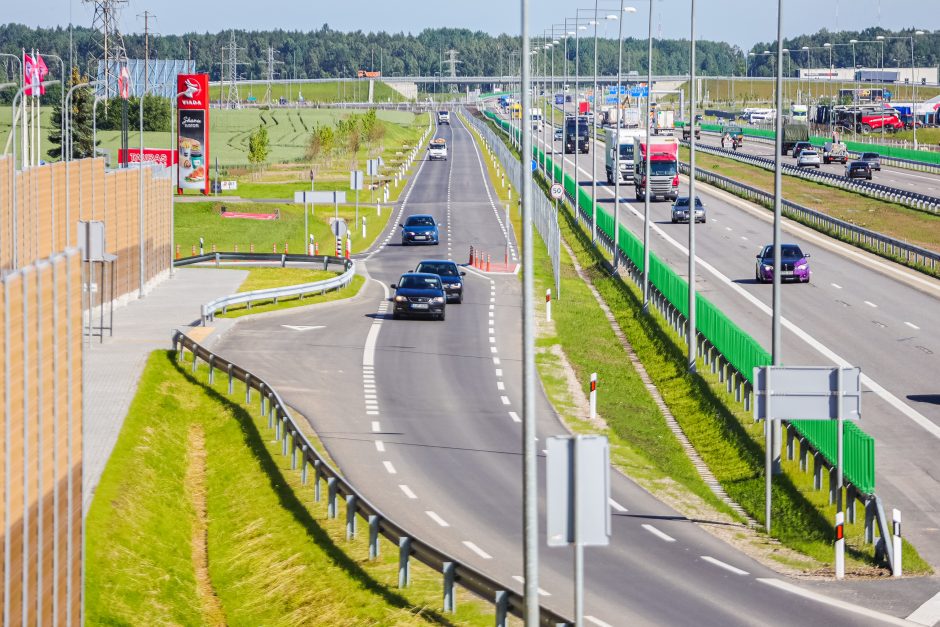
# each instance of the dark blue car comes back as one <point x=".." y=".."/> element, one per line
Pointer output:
<point x="450" y="275"/>
<point x="419" y="294"/>
<point x="419" y="229"/>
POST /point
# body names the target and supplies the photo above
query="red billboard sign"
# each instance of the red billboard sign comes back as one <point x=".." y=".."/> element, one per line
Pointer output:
<point x="193" y="126"/>
<point x="151" y="155"/>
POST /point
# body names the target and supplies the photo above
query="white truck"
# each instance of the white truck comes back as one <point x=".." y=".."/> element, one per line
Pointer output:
<point x="443" y="117"/>
<point x="535" y="115"/>
<point x="437" y="149"/>
<point x="625" y="144"/>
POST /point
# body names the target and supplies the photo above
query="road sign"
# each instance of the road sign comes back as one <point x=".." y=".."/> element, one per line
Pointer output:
<point x="640" y="92"/>
<point x="613" y="90"/>
<point x="611" y="99"/>
<point x="372" y="167"/>
<point x="356" y="180"/>
<point x="338" y="227"/>
<point x="805" y="393"/>
<point x="535" y="165"/>
<point x="557" y="191"/>
<point x="577" y="479"/>
<point x="319" y="197"/>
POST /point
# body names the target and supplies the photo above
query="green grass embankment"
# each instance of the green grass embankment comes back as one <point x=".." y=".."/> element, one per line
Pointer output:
<point x="198" y="519"/>
<point x="266" y="278"/>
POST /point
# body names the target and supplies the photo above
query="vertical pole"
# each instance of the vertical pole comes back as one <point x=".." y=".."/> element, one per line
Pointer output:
<point x="768" y="445"/>
<point x="593" y="396"/>
<point x="896" y="567"/>
<point x="548" y="305"/>
<point x="594" y="159"/>
<point x="692" y="336"/>
<point x="778" y="198"/>
<point x="647" y="166"/>
<point x="530" y="467"/>
<point x="578" y="547"/>
<point x="617" y="144"/>
<point x="140" y="202"/>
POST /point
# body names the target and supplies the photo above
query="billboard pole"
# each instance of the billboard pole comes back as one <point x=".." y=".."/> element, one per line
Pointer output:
<point x="778" y="196"/>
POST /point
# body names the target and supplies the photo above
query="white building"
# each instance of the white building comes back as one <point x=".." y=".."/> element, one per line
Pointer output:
<point x="901" y="75"/>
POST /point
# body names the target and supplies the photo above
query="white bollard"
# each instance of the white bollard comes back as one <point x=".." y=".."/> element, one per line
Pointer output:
<point x="896" y="570"/>
<point x="840" y="545"/>
<point x="509" y="191"/>
<point x="593" y="395"/>
<point x="378" y="209"/>
<point x="363" y="227"/>
<point x="310" y="246"/>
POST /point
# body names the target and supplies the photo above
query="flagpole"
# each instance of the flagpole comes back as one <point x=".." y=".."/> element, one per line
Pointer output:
<point x="27" y="78"/>
<point x="36" y="149"/>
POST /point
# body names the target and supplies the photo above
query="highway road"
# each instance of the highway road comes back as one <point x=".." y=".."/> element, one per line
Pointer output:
<point x="909" y="180"/>
<point x="857" y="310"/>
<point x="423" y="417"/>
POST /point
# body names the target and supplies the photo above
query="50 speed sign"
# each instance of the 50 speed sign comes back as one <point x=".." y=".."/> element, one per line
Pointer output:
<point x="557" y="191"/>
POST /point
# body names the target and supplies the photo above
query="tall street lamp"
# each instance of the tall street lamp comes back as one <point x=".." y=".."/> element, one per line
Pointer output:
<point x="913" y="79"/>
<point x="692" y="335"/>
<point x="647" y="166"/>
<point x="607" y="19"/>
<point x="616" y="168"/>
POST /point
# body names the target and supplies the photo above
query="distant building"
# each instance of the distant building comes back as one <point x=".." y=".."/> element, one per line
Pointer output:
<point x="899" y="75"/>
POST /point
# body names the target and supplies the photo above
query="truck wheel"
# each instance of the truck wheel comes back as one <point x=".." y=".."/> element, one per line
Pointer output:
<point x="866" y="129"/>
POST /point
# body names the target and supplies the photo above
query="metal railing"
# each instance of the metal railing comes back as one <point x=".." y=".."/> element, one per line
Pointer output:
<point x="668" y="295"/>
<point x="921" y="202"/>
<point x="305" y="457"/>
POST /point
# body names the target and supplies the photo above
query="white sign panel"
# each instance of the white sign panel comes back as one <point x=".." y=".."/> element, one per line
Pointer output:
<point x="577" y="475"/>
<point x="806" y="393"/>
<point x="229" y="186"/>
<point x="557" y="191"/>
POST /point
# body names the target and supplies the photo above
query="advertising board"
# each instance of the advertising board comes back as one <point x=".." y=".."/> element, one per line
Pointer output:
<point x="151" y="155"/>
<point x="193" y="132"/>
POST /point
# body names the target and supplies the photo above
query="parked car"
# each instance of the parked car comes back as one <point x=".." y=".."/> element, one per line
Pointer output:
<point x="808" y="158"/>
<point x="419" y="229"/>
<point x="873" y="159"/>
<point x="858" y="170"/>
<point x="794" y="261"/>
<point x="680" y="209"/>
<point x="450" y="275"/>
<point x="418" y="294"/>
<point x="835" y="151"/>
<point x="800" y="147"/>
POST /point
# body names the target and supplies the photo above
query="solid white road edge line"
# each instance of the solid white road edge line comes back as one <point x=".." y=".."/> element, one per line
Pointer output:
<point x="596" y="621"/>
<point x="842" y="605"/>
<point x="720" y="564"/>
<point x="927" y="614"/>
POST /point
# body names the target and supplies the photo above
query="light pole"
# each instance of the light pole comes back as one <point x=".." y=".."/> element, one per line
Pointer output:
<point x="773" y="426"/>
<point x="616" y="258"/>
<point x="692" y="336"/>
<point x="646" y="165"/>
<point x="607" y="19"/>
<point x="913" y="79"/>
<point x="577" y="96"/>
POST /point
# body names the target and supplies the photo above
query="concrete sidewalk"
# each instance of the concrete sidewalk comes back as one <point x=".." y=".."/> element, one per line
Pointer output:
<point x="113" y="368"/>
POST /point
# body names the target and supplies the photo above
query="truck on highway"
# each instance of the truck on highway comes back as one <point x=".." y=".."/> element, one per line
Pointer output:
<point x="663" y="155"/>
<point x="535" y="115"/>
<point x="665" y="120"/>
<point x="577" y="135"/>
<point x="793" y="132"/>
<point x="623" y="140"/>
<point x="437" y="149"/>
<point x="515" y="111"/>
<point x="687" y="131"/>
<point x="835" y="151"/>
<point x="443" y="117"/>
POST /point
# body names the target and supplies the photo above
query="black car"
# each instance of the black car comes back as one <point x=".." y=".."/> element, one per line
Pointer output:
<point x="858" y="170"/>
<point x="798" y="147"/>
<point x="418" y="294"/>
<point x="450" y="275"/>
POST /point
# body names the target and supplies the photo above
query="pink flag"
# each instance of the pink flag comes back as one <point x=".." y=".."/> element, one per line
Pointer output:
<point x="34" y="71"/>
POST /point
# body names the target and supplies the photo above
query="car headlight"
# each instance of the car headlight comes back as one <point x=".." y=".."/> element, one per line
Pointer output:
<point x="437" y="300"/>
<point x="767" y="266"/>
<point x="456" y="286"/>
<point x="802" y="266"/>
<point x="401" y="299"/>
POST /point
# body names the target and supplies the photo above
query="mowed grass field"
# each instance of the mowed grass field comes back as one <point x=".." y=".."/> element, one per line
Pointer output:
<point x="749" y="91"/>
<point x="334" y="91"/>
<point x="288" y="131"/>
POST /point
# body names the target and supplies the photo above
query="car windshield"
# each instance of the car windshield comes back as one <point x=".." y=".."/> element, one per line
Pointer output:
<point x="683" y="201"/>
<point x="442" y="112"/>
<point x="419" y="282"/>
<point x="582" y="127"/>
<point x="626" y="151"/>
<point x="788" y="252"/>
<point x="870" y="155"/>
<point x="440" y="269"/>
<point x="419" y="221"/>
<point x="663" y="168"/>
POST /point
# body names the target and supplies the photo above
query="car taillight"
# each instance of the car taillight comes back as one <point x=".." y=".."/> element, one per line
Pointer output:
<point x="675" y="181"/>
<point x="643" y="181"/>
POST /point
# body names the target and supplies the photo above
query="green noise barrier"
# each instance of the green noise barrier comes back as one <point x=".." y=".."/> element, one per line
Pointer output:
<point x="742" y="351"/>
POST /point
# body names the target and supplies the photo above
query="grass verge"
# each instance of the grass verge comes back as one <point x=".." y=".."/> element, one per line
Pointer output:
<point x="271" y="555"/>
<point x="263" y="306"/>
<point x="723" y="434"/>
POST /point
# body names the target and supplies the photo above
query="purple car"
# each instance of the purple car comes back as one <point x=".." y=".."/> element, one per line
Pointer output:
<point x="795" y="264"/>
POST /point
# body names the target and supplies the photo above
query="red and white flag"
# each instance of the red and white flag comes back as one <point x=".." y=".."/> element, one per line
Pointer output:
<point x="34" y="71"/>
<point x="124" y="82"/>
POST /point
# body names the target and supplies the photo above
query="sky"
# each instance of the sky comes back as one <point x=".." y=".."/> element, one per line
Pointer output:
<point x="739" y="22"/>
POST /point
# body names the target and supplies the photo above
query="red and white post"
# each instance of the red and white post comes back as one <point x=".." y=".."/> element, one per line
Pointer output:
<point x="593" y="395"/>
<point x="840" y="545"/>
<point x="310" y="246"/>
<point x="548" y="305"/>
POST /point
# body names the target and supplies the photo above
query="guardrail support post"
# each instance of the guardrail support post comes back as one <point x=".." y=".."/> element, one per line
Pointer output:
<point x="247" y="389"/>
<point x="277" y="428"/>
<point x="317" y="474"/>
<point x="404" y="566"/>
<point x="748" y="390"/>
<point x="350" y="516"/>
<point x="373" y="536"/>
<point x="832" y="485"/>
<point x="293" y="452"/>
<point x="194" y="362"/>
<point x="272" y="413"/>
<point x="303" y="464"/>
<point x="231" y="380"/>
<point x="791" y="440"/>
<point x="803" y="454"/>
<point x="869" y="520"/>
<point x="450" y="600"/>
<point x="851" y="495"/>
<point x="285" y="434"/>
<point x="502" y="607"/>
<point x="331" y="497"/>
<point x="211" y="369"/>
<point x="817" y="471"/>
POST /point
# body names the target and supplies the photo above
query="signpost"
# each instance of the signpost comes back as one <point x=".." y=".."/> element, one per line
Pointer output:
<point x="557" y="191"/>
<point x="355" y="185"/>
<point x="339" y="229"/>
<point x="577" y="503"/>
<point x="304" y="197"/>
<point x="807" y="393"/>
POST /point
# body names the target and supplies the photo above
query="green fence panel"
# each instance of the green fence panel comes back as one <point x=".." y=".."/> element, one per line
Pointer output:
<point x="858" y="451"/>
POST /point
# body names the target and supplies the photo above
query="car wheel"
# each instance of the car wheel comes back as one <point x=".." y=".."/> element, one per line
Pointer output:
<point x="396" y="315"/>
<point x="817" y="166"/>
<point x="441" y="317"/>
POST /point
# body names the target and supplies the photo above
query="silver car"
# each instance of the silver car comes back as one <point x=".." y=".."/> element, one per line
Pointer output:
<point x="808" y="158"/>
<point x="680" y="209"/>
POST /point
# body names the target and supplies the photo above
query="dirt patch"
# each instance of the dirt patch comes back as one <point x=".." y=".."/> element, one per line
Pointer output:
<point x="195" y="484"/>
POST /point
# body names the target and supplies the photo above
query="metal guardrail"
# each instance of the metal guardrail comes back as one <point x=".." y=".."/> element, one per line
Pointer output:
<point x="889" y="247"/>
<point x="921" y="202"/>
<point x="304" y="457"/>
<point x="811" y="444"/>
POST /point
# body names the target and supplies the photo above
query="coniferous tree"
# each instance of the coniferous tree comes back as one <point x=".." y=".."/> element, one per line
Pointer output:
<point x="80" y="123"/>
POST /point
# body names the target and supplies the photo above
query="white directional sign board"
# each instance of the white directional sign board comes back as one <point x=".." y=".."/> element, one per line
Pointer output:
<point x="557" y="191"/>
<point x="319" y="198"/>
<point x="806" y="393"/>
<point x="356" y="180"/>
<point x="577" y="477"/>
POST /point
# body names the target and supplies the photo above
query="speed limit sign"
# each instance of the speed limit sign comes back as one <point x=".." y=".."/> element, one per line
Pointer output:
<point x="557" y="191"/>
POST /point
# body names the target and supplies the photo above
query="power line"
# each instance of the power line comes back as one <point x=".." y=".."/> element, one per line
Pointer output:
<point x="147" y="15"/>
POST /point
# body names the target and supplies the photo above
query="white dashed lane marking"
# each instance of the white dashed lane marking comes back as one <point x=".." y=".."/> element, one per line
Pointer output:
<point x="836" y="285"/>
<point x="505" y="400"/>
<point x="473" y="547"/>
<point x="407" y="491"/>
<point x="617" y="506"/>
<point x="521" y="580"/>
<point x="912" y="325"/>
<point x="870" y="304"/>
<point x="659" y="534"/>
<point x="433" y="516"/>
<point x="720" y="564"/>
<point x="380" y="446"/>
<point x="515" y="417"/>
<point x="389" y="467"/>
<point x="375" y="426"/>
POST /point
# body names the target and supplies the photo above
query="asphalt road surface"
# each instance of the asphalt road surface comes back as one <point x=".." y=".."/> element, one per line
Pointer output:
<point x="423" y="417"/>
